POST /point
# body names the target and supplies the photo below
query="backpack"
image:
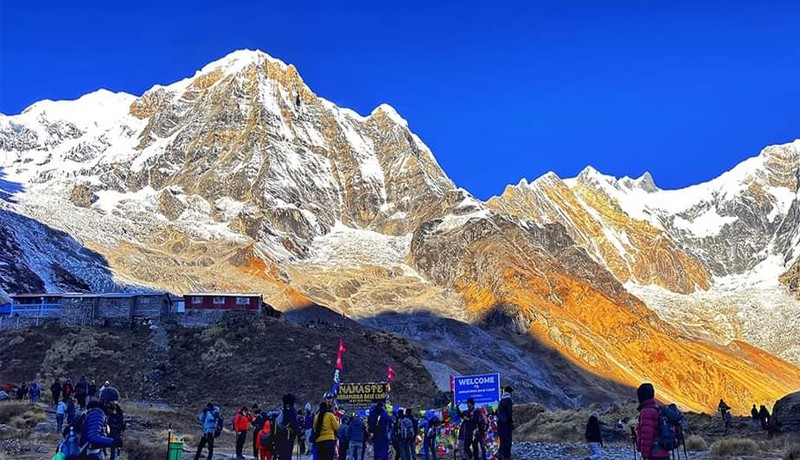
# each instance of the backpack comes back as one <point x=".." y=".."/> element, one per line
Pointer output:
<point x="220" y="425"/>
<point x="281" y="428"/>
<point x="671" y="425"/>
<point x="267" y="440"/>
<point x="407" y="430"/>
<point x="483" y="422"/>
<point x="373" y="423"/>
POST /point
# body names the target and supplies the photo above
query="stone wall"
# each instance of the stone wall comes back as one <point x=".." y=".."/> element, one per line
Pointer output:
<point x="150" y="306"/>
<point x="198" y="318"/>
<point x="113" y="311"/>
<point x="78" y="311"/>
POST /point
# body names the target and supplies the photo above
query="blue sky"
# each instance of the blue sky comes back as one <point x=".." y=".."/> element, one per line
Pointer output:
<point x="499" y="90"/>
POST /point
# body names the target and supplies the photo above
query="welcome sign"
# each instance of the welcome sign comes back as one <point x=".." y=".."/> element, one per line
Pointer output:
<point x="484" y="389"/>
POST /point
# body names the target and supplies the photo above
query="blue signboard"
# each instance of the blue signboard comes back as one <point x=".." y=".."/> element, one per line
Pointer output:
<point x="484" y="389"/>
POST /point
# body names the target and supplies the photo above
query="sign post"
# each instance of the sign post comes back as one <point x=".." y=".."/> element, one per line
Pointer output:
<point x="354" y="397"/>
<point x="484" y="389"/>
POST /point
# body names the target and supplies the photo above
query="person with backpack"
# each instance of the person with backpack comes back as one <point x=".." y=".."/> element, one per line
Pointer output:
<point x="470" y="426"/>
<point x="357" y="434"/>
<point x="81" y="391"/>
<point x="67" y="389"/>
<point x="209" y="419"/>
<point x="480" y="433"/>
<point x="594" y="437"/>
<point x="286" y="428"/>
<point x="258" y="424"/>
<point x="61" y="410"/>
<point x="265" y="440"/>
<point x="116" y="424"/>
<point x="95" y="434"/>
<point x="723" y="410"/>
<point x="343" y="438"/>
<point x="36" y="391"/>
<point x="70" y="410"/>
<point x="412" y="440"/>
<point x="430" y="439"/>
<point x="55" y="391"/>
<point x="308" y="425"/>
<point x="648" y="426"/>
<point x="91" y="394"/>
<point x="505" y="423"/>
<point x="378" y="426"/>
<point x="763" y="416"/>
<point x="241" y="424"/>
<point x="324" y="433"/>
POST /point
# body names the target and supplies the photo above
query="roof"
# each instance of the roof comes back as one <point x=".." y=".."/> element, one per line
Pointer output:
<point x="72" y="295"/>
<point x="222" y="294"/>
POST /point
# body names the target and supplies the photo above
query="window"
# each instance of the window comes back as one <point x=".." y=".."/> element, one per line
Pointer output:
<point x="243" y="301"/>
<point x="219" y="300"/>
<point x="197" y="300"/>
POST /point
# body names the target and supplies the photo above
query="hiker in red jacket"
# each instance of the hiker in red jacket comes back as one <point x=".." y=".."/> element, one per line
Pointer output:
<point x="647" y="429"/>
<point x="241" y="424"/>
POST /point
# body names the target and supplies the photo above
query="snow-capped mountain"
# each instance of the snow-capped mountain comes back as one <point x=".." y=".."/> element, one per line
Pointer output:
<point x="241" y="178"/>
<point x="709" y="257"/>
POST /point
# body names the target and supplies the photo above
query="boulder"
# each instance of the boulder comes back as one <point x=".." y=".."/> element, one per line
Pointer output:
<point x="786" y="415"/>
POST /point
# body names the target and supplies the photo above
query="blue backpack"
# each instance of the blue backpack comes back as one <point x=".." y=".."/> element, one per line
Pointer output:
<point x="671" y="425"/>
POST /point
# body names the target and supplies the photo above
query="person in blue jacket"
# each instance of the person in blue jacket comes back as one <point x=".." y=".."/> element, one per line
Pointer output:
<point x="209" y="420"/>
<point x="94" y="434"/>
<point x="378" y="425"/>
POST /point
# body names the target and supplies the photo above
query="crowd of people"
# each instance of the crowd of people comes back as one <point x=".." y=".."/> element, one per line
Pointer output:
<point x="328" y="433"/>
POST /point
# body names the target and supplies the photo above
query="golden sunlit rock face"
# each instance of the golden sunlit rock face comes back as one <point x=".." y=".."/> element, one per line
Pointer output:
<point x="572" y="304"/>
<point x="631" y="249"/>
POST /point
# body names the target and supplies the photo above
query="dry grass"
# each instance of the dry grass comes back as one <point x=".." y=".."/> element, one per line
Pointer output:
<point x="792" y="452"/>
<point x="733" y="447"/>
<point x="142" y="449"/>
<point x="11" y="409"/>
<point x="696" y="443"/>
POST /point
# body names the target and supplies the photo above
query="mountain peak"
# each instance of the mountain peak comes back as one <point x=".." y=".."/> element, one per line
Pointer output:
<point x="390" y="113"/>
<point x="238" y="60"/>
<point x="646" y="183"/>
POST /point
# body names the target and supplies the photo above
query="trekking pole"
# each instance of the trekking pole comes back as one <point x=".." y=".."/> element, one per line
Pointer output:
<point x="169" y="437"/>
<point x="633" y="441"/>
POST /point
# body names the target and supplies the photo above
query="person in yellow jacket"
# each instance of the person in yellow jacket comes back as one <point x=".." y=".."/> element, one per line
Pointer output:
<point x="324" y="434"/>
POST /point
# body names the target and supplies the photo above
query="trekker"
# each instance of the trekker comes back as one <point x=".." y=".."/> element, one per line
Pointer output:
<point x="505" y="423"/>
<point x="480" y="433"/>
<point x="208" y="418"/>
<point x="308" y="425"/>
<point x="723" y="409"/>
<point x="647" y="428"/>
<point x="593" y="436"/>
<point x="430" y="439"/>
<point x="286" y="428"/>
<point x="764" y="416"/>
<point x="407" y="435"/>
<point x="61" y="410"/>
<point x="241" y="423"/>
<point x="68" y="389"/>
<point x="324" y="434"/>
<point x="378" y="426"/>
<point x="343" y="436"/>
<point x="95" y="426"/>
<point x="258" y="425"/>
<point x="55" y="391"/>
<point x="264" y="438"/>
<point x="81" y="391"/>
<point x="301" y="435"/>
<point x="70" y="410"/>
<point x="36" y="391"/>
<point x="470" y="418"/>
<point x="756" y="418"/>
<point x="116" y="424"/>
<point x="412" y="441"/>
<point x="357" y="436"/>
<point x="92" y="393"/>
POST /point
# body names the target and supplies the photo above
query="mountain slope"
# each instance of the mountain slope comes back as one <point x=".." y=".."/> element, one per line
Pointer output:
<point x="241" y="178"/>
<point x="698" y="255"/>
